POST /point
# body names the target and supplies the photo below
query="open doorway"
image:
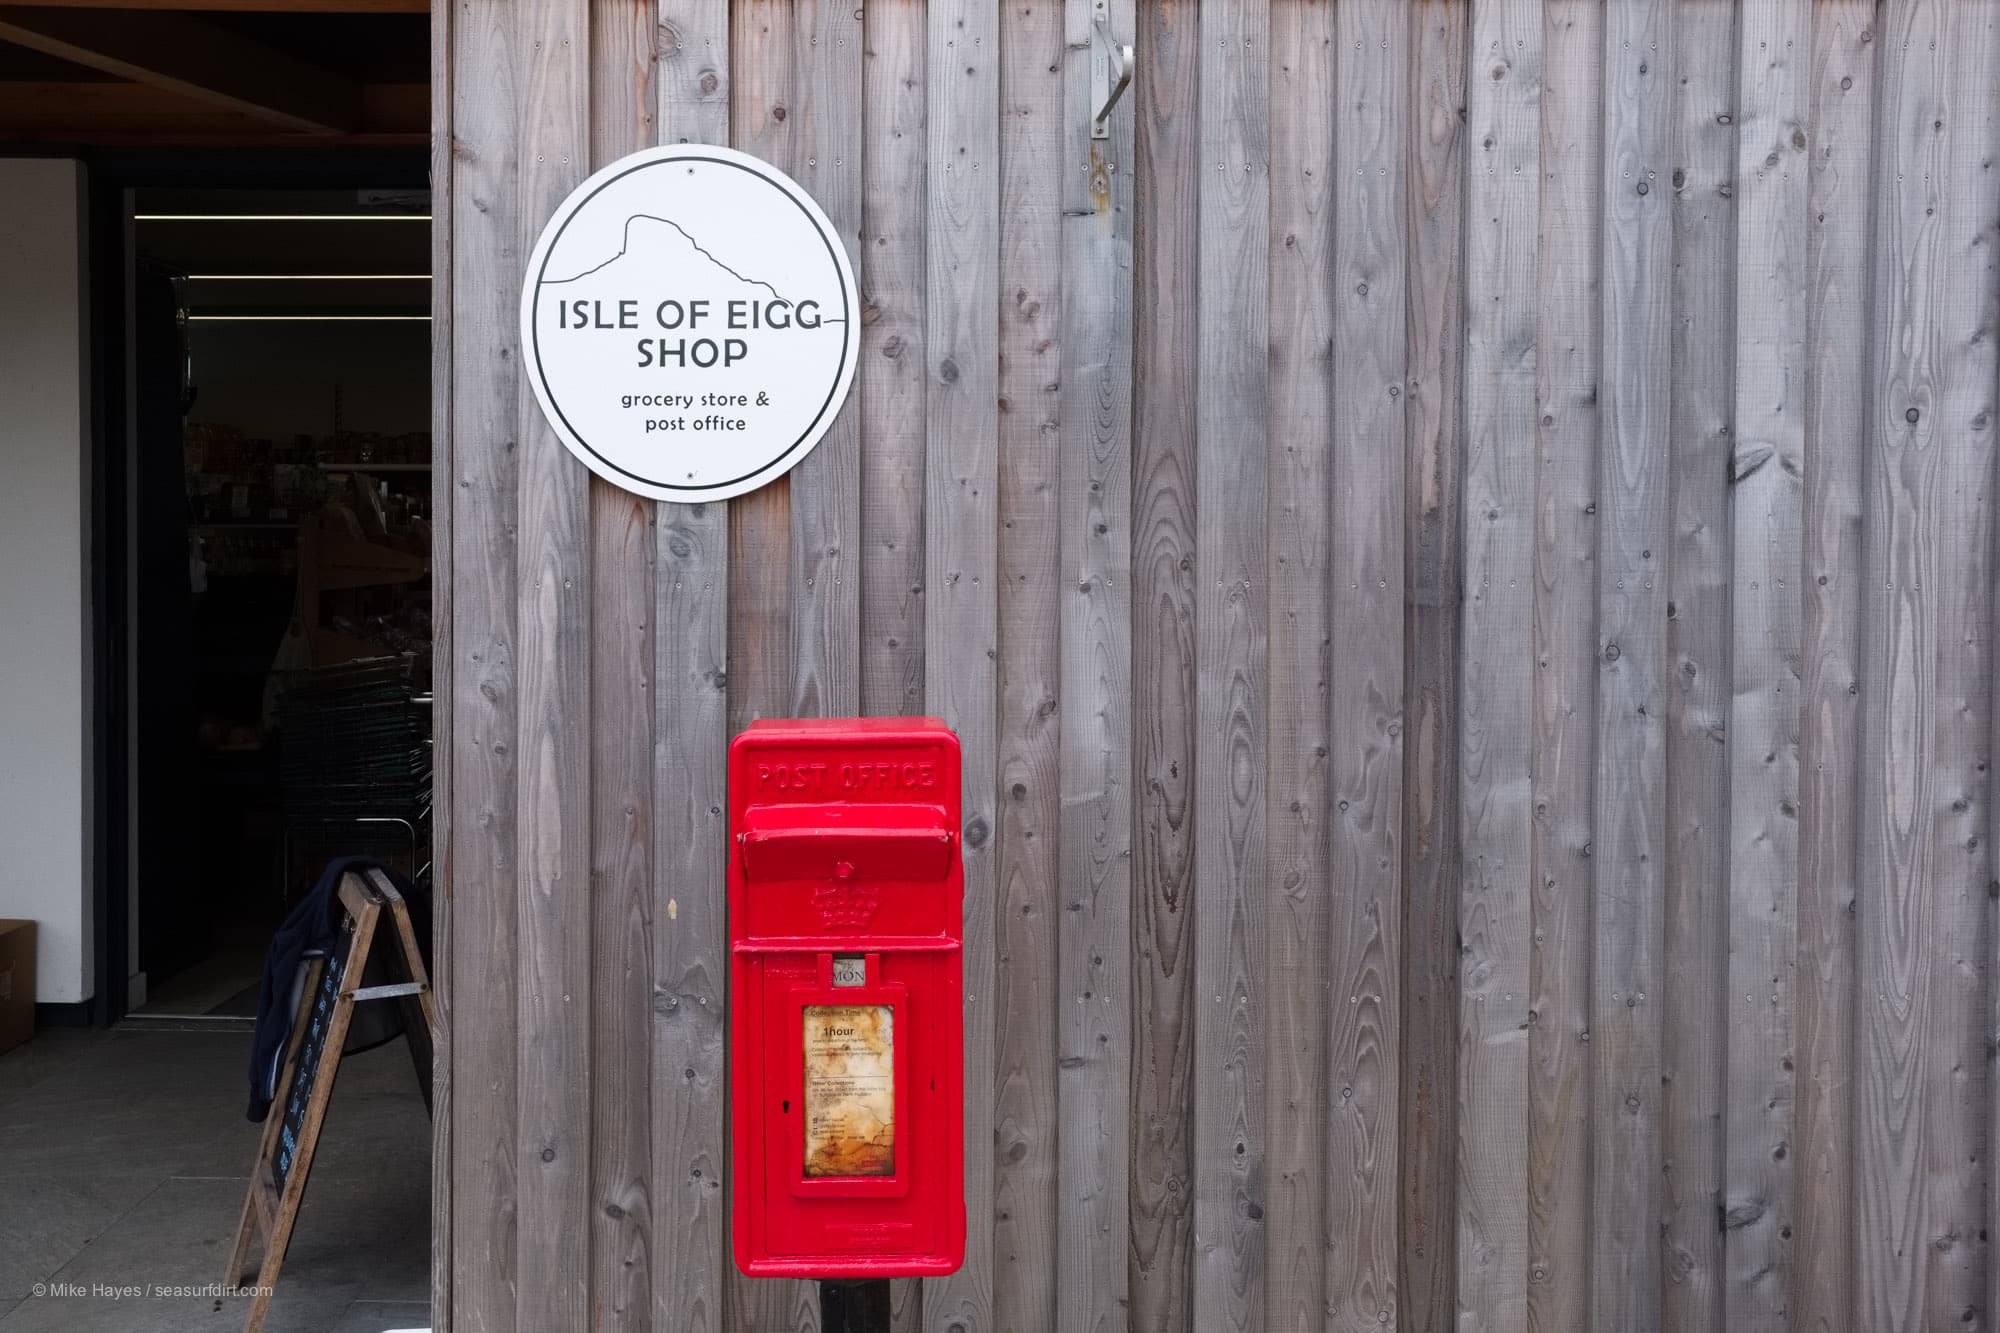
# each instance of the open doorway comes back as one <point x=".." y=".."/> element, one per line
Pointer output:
<point x="281" y="506"/>
<point x="217" y="506"/>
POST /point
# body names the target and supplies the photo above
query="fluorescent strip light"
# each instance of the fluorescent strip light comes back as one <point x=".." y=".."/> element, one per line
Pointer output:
<point x="281" y="217"/>
<point x="295" y="319"/>
<point x="309" y="277"/>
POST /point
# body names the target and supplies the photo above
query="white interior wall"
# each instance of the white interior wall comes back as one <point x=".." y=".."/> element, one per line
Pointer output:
<point x="44" y="538"/>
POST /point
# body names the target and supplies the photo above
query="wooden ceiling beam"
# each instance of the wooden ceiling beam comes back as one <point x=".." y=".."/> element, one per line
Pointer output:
<point x="194" y="59"/>
<point x="130" y="115"/>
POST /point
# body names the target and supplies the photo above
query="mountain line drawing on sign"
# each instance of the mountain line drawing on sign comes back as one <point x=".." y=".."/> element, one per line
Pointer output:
<point x="625" y="247"/>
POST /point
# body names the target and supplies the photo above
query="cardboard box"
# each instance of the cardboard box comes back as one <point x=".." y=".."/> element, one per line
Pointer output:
<point x="17" y="982"/>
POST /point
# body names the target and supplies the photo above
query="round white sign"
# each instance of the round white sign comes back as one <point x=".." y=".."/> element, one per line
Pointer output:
<point x="690" y="323"/>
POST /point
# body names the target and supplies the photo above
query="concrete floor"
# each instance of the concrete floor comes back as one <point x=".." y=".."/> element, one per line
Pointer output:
<point x="123" y="1160"/>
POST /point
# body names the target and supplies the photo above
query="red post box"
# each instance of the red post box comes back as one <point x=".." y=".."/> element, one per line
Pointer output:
<point x="846" y="1040"/>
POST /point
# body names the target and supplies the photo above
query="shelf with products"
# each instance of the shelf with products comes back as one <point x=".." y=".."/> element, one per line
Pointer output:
<point x="337" y="526"/>
<point x="232" y="477"/>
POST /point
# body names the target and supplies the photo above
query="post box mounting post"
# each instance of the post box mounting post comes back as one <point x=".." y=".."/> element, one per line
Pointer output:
<point x="854" y="1305"/>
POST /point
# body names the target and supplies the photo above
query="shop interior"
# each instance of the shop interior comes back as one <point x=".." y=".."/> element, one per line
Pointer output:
<point x="218" y="214"/>
<point x="282" y="499"/>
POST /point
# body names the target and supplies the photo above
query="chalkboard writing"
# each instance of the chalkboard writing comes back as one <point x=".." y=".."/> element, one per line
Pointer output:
<point x="312" y="1045"/>
<point x="320" y="1029"/>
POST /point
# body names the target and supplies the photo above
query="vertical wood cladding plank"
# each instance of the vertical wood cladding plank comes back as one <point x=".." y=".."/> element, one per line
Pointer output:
<point x="1094" y="1033"/>
<point x="1497" y="700"/>
<point x="690" y="978"/>
<point x="1297" y="520"/>
<point x="553" y="734"/>
<point x="761" y="123"/>
<point x="891" y="376"/>
<point x="623" y="61"/>
<point x="1027" y="1126"/>
<point x="1166" y="262"/>
<point x="825" y="604"/>
<point x="1896" y="950"/>
<point x="1629" y="854"/>
<point x="890" y="384"/>
<point x="1840" y="153"/>
<point x="1433" y="484"/>
<point x="1972" y="410"/>
<point x="1955" y="1059"/>
<point x="1366" y="574"/>
<point x="485" y="396"/>
<point x="962" y="302"/>
<point x="759" y="599"/>
<point x="1696" y="186"/>
<point x="444" y="824"/>
<point x="690" y="988"/>
<point x="906" y="1305"/>
<point x="826" y="485"/>
<point x="1230" y="438"/>
<point x="1567" y="364"/>
<point x="692" y="74"/>
<point x="1767" y="474"/>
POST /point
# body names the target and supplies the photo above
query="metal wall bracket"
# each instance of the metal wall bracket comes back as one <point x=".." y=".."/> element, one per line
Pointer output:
<point x="1110" y="70"/>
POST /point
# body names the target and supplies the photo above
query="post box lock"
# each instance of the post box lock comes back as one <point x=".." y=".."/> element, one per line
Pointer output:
<point x="846" y="1037"/>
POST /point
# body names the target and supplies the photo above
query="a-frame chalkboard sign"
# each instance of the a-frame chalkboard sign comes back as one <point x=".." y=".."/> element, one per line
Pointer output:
<point x="319" y="1030"/>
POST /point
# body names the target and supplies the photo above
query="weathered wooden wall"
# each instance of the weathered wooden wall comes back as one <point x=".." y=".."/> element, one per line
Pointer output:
<point x="1457" y="544"/>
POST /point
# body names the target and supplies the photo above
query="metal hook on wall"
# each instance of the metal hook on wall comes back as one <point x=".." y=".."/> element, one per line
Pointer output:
<point x="1110" y="71"/>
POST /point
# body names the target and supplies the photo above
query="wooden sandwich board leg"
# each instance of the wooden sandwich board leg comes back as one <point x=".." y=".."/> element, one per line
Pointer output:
<point x="283" y="1209"/>
<point x="269" y="1212"/>
<point x="420" y="1009"/>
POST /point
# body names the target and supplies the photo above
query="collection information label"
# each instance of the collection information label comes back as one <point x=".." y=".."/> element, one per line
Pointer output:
<point x="850" y="1090"/>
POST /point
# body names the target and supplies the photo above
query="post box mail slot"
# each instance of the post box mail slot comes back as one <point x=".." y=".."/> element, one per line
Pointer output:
<point x="846" y="1043"/>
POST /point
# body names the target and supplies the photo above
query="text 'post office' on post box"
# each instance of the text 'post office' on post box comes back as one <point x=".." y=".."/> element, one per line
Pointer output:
<point x="846" y="1039"/>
